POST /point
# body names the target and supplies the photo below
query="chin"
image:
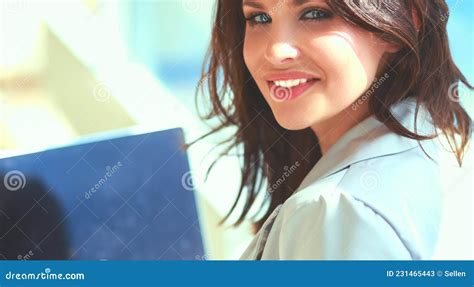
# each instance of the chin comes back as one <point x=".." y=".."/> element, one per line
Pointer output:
<point x="292" y="121"/>
<point x="301" y="113"/>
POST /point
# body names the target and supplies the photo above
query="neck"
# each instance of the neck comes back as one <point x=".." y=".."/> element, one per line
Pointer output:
<point x="331" y="130"/>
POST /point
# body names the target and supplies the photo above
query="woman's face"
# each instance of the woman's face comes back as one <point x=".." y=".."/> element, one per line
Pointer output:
<point x="309" y="64"/>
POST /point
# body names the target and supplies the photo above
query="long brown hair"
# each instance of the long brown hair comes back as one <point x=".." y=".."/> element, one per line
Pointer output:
<point x="423" y="68"/>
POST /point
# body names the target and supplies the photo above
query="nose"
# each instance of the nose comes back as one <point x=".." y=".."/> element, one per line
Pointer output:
<point x="279" y="53"/>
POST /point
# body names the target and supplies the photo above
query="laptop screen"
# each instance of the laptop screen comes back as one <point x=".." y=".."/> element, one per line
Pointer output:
<point x="119" y="198"/>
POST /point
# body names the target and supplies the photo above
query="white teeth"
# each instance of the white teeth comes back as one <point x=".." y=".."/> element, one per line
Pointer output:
<point x="290" y="83"/>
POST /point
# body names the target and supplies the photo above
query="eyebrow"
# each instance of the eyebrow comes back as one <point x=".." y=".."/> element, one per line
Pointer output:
<point x="258" y="5"/>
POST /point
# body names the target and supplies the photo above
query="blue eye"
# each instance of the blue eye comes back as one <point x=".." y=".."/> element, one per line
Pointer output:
<point x="315" y="14"/>
<point x="259" y="18"/>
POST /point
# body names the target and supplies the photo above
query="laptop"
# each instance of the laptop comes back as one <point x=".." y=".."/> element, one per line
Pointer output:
<point x="118" y="198"/>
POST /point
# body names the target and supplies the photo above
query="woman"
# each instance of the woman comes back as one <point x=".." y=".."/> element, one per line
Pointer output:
<point x="340" y="108"/>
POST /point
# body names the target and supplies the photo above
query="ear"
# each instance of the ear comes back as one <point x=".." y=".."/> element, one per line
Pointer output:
<point x="416" y="19"/>
<point x="384" y="44"/>
<point x="392" y="48"/>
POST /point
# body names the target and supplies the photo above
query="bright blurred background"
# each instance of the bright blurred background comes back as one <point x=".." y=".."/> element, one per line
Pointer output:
<point x="72" y="69"/>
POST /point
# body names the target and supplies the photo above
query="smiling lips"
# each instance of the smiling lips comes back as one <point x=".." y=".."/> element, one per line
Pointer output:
<point x="290" y="85"/>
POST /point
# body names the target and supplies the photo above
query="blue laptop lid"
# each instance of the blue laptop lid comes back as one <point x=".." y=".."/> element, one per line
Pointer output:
<point x="120" y="198"/>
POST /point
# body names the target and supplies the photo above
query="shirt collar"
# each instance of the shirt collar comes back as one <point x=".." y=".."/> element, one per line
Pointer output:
<point x="370" y="139"/>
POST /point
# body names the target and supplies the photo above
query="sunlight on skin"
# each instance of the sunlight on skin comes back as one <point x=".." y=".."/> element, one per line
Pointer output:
<point x="346" y="58"/>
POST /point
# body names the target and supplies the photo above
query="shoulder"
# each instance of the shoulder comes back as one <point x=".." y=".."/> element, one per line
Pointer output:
<point x="334" y="225"/>
<point x="391" y="203"/>
<point x="409" y="173"/>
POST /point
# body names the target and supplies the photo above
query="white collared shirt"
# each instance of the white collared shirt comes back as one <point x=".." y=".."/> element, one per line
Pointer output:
<point x="373" y="195"/>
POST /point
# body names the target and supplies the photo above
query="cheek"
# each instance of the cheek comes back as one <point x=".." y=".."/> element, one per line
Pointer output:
<point x="252" y="53"/>
<point x="350" y="65"/>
